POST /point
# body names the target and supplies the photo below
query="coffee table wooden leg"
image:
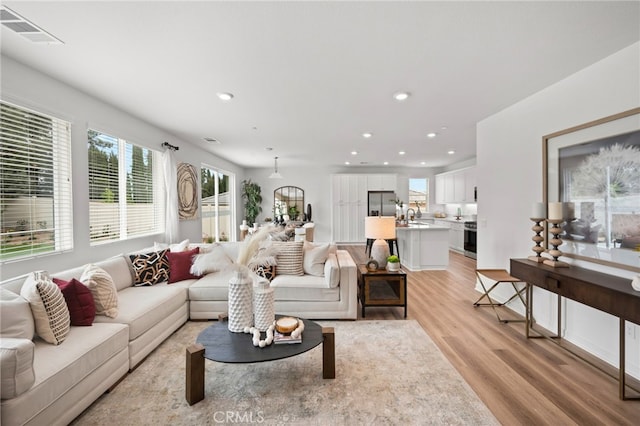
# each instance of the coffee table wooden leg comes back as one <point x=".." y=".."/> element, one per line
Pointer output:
<point x="194" y="387"/>
<point x="328" y="353"/>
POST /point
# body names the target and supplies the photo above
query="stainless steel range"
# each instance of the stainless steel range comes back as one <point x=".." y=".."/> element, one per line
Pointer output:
<point x="470" y="239"/>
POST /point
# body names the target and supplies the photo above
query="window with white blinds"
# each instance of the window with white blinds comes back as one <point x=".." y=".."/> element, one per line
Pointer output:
<point x="126" y="196"/>
<point x="35" y="184"/>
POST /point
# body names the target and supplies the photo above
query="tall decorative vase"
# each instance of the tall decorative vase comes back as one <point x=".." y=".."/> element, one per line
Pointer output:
<point x="240" y="302"/>
<point x="263" y="310"/>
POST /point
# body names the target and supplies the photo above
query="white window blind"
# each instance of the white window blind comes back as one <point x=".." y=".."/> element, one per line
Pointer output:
<point x="35" y="184"/>
<point x="125" y="189"/>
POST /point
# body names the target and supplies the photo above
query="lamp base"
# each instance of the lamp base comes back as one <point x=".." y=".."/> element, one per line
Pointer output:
<point x="380" y="252"/>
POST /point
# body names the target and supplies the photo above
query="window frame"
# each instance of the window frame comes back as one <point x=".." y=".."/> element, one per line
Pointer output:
<point x="61" y="185"/>
<point x="124" y="153"/>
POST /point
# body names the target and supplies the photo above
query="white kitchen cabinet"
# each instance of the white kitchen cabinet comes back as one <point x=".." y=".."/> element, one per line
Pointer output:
<point x="382" y="182"/>
<point x="456" y="237"/>
<point x="456" y="187"/>
<point x="470" y="185"/>
<point x="349" y="202"/>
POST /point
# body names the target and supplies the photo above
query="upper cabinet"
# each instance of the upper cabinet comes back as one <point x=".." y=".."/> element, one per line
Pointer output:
<point x="382" y="182"/>
<point x="456" y="187"/>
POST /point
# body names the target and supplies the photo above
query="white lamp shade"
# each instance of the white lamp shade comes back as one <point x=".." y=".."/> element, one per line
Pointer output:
<point x="380" y="227"/>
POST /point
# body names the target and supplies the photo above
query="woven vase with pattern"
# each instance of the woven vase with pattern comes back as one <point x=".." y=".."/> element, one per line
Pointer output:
<point x="263" y="311"/>
<point x="240" y="302"/>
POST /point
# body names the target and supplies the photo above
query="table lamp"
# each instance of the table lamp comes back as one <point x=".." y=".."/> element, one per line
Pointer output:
<point x="379" y="229"/>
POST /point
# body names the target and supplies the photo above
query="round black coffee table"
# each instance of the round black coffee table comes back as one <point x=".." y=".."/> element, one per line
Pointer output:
<point x="217" y="343"/>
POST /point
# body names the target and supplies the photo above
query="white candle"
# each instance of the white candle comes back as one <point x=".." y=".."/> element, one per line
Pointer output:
<point x="568" y="211"/>
<point x="538" y="211"/>
<point x="555" y="211"/>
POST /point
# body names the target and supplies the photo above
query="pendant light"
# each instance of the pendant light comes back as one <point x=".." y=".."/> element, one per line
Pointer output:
<point x="275" y="174"/>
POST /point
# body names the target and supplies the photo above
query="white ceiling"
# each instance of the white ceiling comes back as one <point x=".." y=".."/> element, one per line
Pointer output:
<point x="310" y="77"/>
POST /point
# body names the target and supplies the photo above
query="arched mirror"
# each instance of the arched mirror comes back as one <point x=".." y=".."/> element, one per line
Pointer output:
<point x="289" y="200"/>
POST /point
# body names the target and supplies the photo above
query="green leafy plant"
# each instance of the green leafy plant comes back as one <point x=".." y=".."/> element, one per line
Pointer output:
<point x="393" y="259"/>
<point x="252" y="200"/>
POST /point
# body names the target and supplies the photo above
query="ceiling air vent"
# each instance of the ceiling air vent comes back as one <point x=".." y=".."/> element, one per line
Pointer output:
<point x="26" y="29"/>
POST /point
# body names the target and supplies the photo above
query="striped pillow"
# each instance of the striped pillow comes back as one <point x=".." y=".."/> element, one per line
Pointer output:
<point x="289" y="258"/>
<point x="50" y="312"/>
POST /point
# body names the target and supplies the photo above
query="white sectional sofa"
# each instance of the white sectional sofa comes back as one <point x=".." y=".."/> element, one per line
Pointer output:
<point x="43" y="383"/>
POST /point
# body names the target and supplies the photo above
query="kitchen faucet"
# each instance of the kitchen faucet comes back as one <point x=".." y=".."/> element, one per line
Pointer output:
<point x="412" y="214"/>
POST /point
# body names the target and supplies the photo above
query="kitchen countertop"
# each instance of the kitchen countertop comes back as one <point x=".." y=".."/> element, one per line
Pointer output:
<point x="417" y="227"/>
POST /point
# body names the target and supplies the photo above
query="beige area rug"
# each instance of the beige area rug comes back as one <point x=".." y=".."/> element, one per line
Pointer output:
<point x="387" y="373"/>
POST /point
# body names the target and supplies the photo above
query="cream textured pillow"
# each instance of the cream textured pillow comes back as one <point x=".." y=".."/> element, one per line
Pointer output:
<point x="290" y="255"/>
<point x="16" y="319"/>
<point x="213" y="261"/>
<point x="103" y="290"/>
<point x="315" y="255"/>
<point x="50" y="312"/>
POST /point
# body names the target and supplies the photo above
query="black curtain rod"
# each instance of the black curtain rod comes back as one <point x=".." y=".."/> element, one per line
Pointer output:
<point x="168" y="145"/>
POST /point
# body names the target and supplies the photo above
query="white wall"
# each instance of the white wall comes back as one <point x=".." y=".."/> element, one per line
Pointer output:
<point x="29" y="88"/>
<point x="509" y="160"/>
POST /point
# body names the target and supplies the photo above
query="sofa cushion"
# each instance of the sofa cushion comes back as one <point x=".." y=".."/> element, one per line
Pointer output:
<point x="103" y="290"/>
<point x="214" y="260"/>
<point x="58" y="369"/>
<point x="49" y="309"/>
<point x="177" y="247"/>
<point x="290" y="256"/>
<point x="213" y="286"/>
<point x="314" y="257"/>
<point x="150" y="268"/>
<point x="16" y="364"/>
<point x="16" y="319"/>
<point x="82" y="309"/>
<point x="307" y="288"/>
<point x="180" y="265"/>
<point x="141" y="308"/>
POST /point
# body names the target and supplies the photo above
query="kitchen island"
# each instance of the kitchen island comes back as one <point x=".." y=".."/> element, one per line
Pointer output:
<point x="423" y="247"/>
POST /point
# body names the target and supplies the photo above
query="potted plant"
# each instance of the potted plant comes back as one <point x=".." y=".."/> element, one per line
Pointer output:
<point x="393" y="263"/>
<point x="252" y="200"/>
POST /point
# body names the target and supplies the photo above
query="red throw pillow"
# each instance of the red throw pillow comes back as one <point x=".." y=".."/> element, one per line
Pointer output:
<point x="82" y="308"/>
<point x="180" y="264"/>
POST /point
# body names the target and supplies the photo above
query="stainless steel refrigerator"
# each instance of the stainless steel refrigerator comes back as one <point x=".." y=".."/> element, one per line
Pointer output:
<point x="381" y="203"/>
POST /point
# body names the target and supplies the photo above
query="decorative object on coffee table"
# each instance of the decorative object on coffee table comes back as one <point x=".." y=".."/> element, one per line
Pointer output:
<point x="263" y="311"/>
<point x="393" y="263"/>
<point x="240" y="301"/>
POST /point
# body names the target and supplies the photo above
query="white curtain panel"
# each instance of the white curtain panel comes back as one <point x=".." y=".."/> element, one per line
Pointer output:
<point x="171" y="187"/>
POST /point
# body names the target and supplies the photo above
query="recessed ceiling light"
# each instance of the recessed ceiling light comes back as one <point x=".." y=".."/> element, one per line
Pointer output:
<point x="367" y="135"/>
<point x="225" y="96"/>
<point x="354" y="152"/>
<point x="386" y="163"/>
<point x="347" y="163"/>
<point x="401" y="96"/>
<point x="451" y="152"/>
<point x="401" y="152"/>
<point x="443" y="128"/>
<point x="432" y="135"/>
<point x="423" y="163"/>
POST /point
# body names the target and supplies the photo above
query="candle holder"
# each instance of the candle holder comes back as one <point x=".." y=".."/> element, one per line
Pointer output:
<point x="556" y="242"/>
<point x="538" y="238"/>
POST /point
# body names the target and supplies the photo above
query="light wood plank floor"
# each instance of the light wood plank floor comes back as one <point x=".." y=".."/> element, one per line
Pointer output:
<point x="522" y="381"/>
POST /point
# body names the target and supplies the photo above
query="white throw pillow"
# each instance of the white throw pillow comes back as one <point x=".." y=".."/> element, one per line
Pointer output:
<point x="49" y="309"/>
<point x="213" y="261"/>
<point x="315" y="255"/>
<point x="290" y="255"/>
<point x="16" y="319"/>
<point x="103" y="290"/>
<point x="181" y="246"/>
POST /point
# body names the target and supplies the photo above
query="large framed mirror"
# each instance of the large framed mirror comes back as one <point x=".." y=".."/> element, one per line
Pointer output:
<point x="289" y="200"/>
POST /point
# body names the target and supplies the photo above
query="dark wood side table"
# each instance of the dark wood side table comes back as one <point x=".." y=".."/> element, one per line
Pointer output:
<point x="381" y="288"/>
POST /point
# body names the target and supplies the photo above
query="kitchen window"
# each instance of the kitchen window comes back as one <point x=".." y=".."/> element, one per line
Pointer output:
<point x="419" y="194"/>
